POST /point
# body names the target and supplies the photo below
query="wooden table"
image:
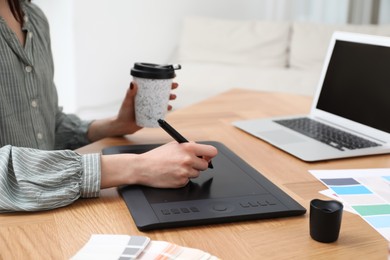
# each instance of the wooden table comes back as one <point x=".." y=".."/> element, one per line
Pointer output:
<point x="60" y="233"/>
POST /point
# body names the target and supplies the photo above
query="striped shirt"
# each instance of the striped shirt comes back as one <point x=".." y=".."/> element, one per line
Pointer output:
<point x="38" y="169"/>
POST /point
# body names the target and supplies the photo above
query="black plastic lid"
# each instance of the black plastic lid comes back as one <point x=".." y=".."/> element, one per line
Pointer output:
<point x="154" y="71"/>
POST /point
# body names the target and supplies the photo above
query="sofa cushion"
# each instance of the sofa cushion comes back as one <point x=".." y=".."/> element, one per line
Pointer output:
<point x="263" y="44"/>
<point x="201" y="80"/>
<point x="310" y="41"/>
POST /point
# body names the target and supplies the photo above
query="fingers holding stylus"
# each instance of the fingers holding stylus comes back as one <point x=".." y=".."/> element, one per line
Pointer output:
<point x="198" y="156"/>
<point x="181" y="139"/>
<point x="205" y="153"/>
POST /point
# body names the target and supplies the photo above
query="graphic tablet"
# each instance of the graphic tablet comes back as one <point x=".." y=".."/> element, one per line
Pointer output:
<point x="232" y="191"/>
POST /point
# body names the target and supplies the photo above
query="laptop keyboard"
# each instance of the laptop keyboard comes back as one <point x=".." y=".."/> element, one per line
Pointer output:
<point x="326" y="134"/>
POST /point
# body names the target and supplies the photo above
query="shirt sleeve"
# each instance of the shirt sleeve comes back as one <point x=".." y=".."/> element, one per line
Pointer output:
<point x="71" y="131"/>
<point x="32" y="180"/>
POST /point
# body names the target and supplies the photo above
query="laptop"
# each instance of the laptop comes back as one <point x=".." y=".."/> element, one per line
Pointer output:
<point x="350" y="114"/>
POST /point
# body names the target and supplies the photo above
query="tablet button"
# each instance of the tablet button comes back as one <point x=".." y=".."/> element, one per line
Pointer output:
<point x="271" y="202"/>
<point x="262" y="203"/>
<point x="185" y="210"/>
<point x="194" y="209"/>
<point x="220" y="207"/>
<point x="175" y="211"/>
<point x="245" y="205"/>
<point x="165" y="212"/>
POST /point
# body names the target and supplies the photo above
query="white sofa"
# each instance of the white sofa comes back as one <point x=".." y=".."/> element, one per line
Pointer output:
<point x="217" y="55"/>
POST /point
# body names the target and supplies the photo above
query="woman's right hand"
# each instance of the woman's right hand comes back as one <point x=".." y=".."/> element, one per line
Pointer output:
<point x="169" y="166"/>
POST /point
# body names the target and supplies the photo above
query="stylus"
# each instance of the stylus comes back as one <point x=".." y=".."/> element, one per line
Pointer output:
<point x="176" y="135"/>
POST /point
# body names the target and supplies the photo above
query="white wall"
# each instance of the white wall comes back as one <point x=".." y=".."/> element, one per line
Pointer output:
<point x="60" y="15"/>
<point x="111" y="37"/>
<point x="95" y="42"/>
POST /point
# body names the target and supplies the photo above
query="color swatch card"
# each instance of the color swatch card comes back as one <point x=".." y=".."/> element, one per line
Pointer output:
<point x="366" y="191"/>
<point x="124" y="247"/>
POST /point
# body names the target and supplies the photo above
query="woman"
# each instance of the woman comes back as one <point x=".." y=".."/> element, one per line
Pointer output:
<point x="37" y="169"/>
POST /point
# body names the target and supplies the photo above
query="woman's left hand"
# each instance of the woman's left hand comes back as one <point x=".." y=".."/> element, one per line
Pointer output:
<point x="124" y="123"/>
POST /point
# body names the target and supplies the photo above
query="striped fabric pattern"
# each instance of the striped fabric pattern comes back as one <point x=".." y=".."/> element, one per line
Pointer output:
<point x="32" y="179"/>
<point x="32" y="176"/>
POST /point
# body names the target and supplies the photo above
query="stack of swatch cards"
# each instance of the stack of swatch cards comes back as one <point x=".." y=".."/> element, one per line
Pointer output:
<point x="124" y="247"/>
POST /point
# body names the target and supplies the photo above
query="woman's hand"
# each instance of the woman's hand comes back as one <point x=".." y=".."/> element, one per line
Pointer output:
<point x="169" y="166"/>
<point x="124" y="123"/>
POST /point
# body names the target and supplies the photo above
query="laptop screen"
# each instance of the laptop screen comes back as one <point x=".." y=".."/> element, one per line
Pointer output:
<point x="357" y="84"/>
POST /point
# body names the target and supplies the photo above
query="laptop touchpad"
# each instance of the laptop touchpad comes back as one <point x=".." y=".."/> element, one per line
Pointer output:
<point x="281" y="137"/>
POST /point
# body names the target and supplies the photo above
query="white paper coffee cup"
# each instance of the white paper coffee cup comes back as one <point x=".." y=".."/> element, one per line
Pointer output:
<point x="151" y="101"/>
<point x="154" y="87"/>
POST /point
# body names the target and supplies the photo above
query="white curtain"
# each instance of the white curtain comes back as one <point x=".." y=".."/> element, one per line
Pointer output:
<point x="384" y="12"/>
<point x="364" y="11"/>
<point x="328" y="11"/>
<point x="322" y="11"/>
<point x="369" y="12"/>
